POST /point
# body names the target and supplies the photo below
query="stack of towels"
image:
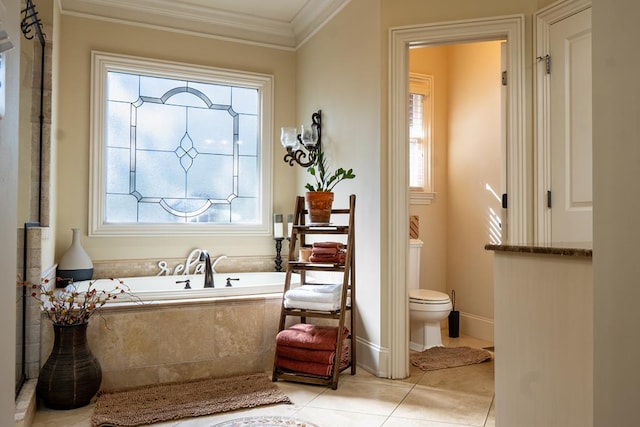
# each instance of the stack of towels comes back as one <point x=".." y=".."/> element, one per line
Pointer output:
<point x="314" y="297"/>
<point x="328" y="252"/>
<point x="310" y="349"/>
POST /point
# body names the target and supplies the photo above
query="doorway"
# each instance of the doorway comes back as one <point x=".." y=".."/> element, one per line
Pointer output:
<point x="510" y="29"/>
<point x="464" y="136"/>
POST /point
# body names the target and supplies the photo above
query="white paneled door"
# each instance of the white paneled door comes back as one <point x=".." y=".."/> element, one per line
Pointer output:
<point x="569" y="71"/>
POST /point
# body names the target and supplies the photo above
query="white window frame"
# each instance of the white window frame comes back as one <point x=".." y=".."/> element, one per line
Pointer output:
<point x="101" y="64"/>
<point x="424" y="84"/>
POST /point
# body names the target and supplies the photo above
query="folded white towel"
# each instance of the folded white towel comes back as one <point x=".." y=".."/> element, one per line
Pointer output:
<point x="322" y="288"/>
<point x="315" y="293"/>
<point x="310" y="305"/>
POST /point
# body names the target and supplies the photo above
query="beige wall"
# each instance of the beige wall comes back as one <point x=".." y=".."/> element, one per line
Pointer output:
<point x="339" y="72"/>
<point x="467" y="150"/>
<point x="434" y="61"/>
<point x="474" y="163"/>
<point x="616" y="66"/>
<point x="78" y="37"/>
<point x="414" y="12"/>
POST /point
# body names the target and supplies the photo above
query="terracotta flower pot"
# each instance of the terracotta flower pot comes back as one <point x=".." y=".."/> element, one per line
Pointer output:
<point x="319" y="205"/>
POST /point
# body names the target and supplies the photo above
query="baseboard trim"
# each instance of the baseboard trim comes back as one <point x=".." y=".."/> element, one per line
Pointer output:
<point x="372" y="358"/>
<point x="476" y="326"/>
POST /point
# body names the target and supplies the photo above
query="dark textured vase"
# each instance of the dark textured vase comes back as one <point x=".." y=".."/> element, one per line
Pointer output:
<point x="71" y="375"/>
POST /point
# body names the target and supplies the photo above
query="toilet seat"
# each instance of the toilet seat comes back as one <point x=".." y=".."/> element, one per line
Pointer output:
<point x="428" y="296"/>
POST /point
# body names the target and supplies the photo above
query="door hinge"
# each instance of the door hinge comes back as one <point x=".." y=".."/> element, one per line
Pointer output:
<point x="504" y="200"/>
<point x="549" y="198"/>
<point x="547" y="62"/>
<point x="504" y="78"/>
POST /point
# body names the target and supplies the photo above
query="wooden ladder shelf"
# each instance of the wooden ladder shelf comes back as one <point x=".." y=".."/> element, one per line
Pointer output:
<point x="344" y="315"/>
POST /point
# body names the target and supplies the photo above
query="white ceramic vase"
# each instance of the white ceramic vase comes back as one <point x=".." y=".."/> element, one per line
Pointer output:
<point x="75" y="264"/>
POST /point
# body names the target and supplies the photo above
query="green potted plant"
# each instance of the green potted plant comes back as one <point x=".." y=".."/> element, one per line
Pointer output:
<point x="319" y="196"/>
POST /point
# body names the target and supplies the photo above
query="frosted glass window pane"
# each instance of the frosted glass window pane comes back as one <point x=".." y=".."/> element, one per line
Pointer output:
<point x="245" y="100"/>
<point x="117" y="170"/>
<point x="118" y="128"/>
<point x="179" y="151"/>
<point x="211" y="131"/>
<point x="218" y="94"/>
<point x="122" y="87"/>
<point x="158" y="174"/>
<point x="211" y="176"/>
<point x="217" y="213"/>
<point x="153" y="213"/>
<point x="159" y="127"/>
<point x="244" y="210"/>
<point x="248" y="135"/>
<point x="121" y="208"/>
<point x="158" y="86"/>
<point x="247" y="183"/>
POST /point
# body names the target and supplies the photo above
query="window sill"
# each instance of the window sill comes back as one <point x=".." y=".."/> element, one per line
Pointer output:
<point x="421" y="198"/>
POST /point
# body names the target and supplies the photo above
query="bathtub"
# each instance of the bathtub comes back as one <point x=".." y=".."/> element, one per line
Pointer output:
<point x="160" y="288"/>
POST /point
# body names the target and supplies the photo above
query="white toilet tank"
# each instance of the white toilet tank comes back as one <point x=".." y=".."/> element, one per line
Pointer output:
<point x="413" y="272"/>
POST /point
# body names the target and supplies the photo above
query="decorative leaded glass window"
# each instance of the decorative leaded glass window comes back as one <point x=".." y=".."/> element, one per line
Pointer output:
<point x="179" y="148"/>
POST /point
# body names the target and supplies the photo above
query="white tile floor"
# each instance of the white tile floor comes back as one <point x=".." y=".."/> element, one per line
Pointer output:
<point x="455" y="397"/>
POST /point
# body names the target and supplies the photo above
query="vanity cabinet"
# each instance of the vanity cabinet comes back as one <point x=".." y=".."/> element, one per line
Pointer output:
<point x="543" y="302"/>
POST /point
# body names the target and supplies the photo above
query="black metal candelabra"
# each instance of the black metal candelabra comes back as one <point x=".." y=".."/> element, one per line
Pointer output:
<point x="278" y="252"/>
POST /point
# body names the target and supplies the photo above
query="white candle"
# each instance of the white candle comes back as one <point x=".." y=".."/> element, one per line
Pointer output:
<point x="289" y="225"/>
<point x="277" y="226"/>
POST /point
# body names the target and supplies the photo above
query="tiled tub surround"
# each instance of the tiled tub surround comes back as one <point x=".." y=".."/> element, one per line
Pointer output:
<point x="172" y="340"/>
<point x="152" y="289"/>
<point x="176" y="341"/>
<point x="150" y="267"/>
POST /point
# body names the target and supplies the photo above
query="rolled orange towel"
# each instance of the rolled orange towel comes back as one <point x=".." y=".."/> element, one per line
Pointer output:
<point x="309" y="367"/>
<point x="336" y="245"/>
<point x="319" y="369"/>
<point x="324" y="251"/>
<point x="333" y="259"/>
<point x="305" y="335"/>
<point x="316" y="356"/>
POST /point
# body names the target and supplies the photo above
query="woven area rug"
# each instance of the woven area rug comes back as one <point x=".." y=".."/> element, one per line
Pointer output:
<point x="266" y="421"/>
<point x="164" y="402"/>
<point x="448" y="357"/>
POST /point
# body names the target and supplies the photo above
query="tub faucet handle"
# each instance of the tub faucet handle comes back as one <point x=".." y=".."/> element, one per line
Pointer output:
<point x="229" y="279"/>
<point x="188" y="283"/>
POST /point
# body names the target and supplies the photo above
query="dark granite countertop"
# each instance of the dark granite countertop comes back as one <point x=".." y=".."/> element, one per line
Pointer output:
<point x="576" y="249"/>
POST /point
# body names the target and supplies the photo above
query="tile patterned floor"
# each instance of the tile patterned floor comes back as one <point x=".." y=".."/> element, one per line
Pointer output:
<point x="455" y="397"/>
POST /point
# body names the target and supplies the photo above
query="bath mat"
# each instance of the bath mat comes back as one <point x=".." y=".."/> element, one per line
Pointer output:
<point x="265" y="421"/>
<point x="164" y="402"/>
<point x="448" y="357"/>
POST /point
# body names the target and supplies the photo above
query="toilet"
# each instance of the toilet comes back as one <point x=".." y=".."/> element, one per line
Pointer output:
<point x="427" y="308"/>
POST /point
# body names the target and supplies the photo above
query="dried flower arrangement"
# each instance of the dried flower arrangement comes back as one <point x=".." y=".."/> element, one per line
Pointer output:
<point x="71" y="306"/>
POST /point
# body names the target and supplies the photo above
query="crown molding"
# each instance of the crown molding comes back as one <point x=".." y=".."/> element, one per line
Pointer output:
<point x="313" y="16"/>
<point x="174" y="16"/>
